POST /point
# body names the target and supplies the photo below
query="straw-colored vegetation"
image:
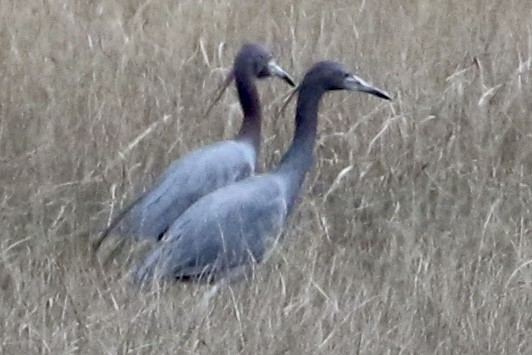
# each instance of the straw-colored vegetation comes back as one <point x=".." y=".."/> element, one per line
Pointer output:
<point x="413" y="233"/>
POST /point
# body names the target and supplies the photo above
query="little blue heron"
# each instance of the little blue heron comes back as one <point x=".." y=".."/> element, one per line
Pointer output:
<point x="210" y="167"/>
<point x="224" y="233"/>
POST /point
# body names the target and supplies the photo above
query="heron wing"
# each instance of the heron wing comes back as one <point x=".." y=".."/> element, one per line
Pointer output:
<point x="181" y="184"/>
<point x="230" y="227"/>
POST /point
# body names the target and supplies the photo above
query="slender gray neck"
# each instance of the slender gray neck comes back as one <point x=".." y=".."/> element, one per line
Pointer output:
<point x="299" y="158"/>
<point x="250" y="130"/>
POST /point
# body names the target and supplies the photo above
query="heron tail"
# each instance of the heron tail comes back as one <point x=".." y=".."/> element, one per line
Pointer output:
<point x="114" y="223"/>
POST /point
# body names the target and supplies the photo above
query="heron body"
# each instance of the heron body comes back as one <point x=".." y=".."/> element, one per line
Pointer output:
<point x="184" y="182"/>
<point x="209" y="168"/>
<point x="235" y="226"/>
<point x="202" y="244"/>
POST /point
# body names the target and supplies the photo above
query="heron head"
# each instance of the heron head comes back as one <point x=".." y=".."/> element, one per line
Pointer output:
<point x="330" y="75"/>
<point x="261" y="62"/>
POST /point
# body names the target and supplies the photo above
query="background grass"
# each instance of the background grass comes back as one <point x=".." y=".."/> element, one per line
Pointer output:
<point x="413" y="234"/>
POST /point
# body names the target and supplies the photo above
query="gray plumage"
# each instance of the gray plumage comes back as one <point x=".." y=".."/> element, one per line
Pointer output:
<point x="184" y="182"/>
<point x="202" y="243"/>
<point x="208" y="168"/>
<point x="234" y="227"/>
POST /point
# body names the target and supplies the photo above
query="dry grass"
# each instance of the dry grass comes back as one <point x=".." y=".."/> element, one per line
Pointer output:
<point x="422" y="246"/>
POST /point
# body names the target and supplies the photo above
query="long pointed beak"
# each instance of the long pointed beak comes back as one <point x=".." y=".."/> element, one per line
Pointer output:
<point x="355" y="83"/>
<point x="278" y="71"/>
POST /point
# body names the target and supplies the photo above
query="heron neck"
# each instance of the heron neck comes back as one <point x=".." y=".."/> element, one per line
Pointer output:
<point x="299" y="158"/>
<point x="248" y="95"/>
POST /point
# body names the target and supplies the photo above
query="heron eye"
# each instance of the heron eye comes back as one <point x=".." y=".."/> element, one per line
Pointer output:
<point x="346" y="75"/>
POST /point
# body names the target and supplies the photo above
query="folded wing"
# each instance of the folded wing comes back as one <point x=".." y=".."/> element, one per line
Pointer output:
<point x="231" y="227"/>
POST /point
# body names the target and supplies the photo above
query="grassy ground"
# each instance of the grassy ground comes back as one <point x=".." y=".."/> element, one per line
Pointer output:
<point x="413" y="235"/>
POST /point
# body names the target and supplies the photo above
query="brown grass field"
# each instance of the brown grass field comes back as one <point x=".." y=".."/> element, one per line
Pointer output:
<point x="414" y="230"/>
